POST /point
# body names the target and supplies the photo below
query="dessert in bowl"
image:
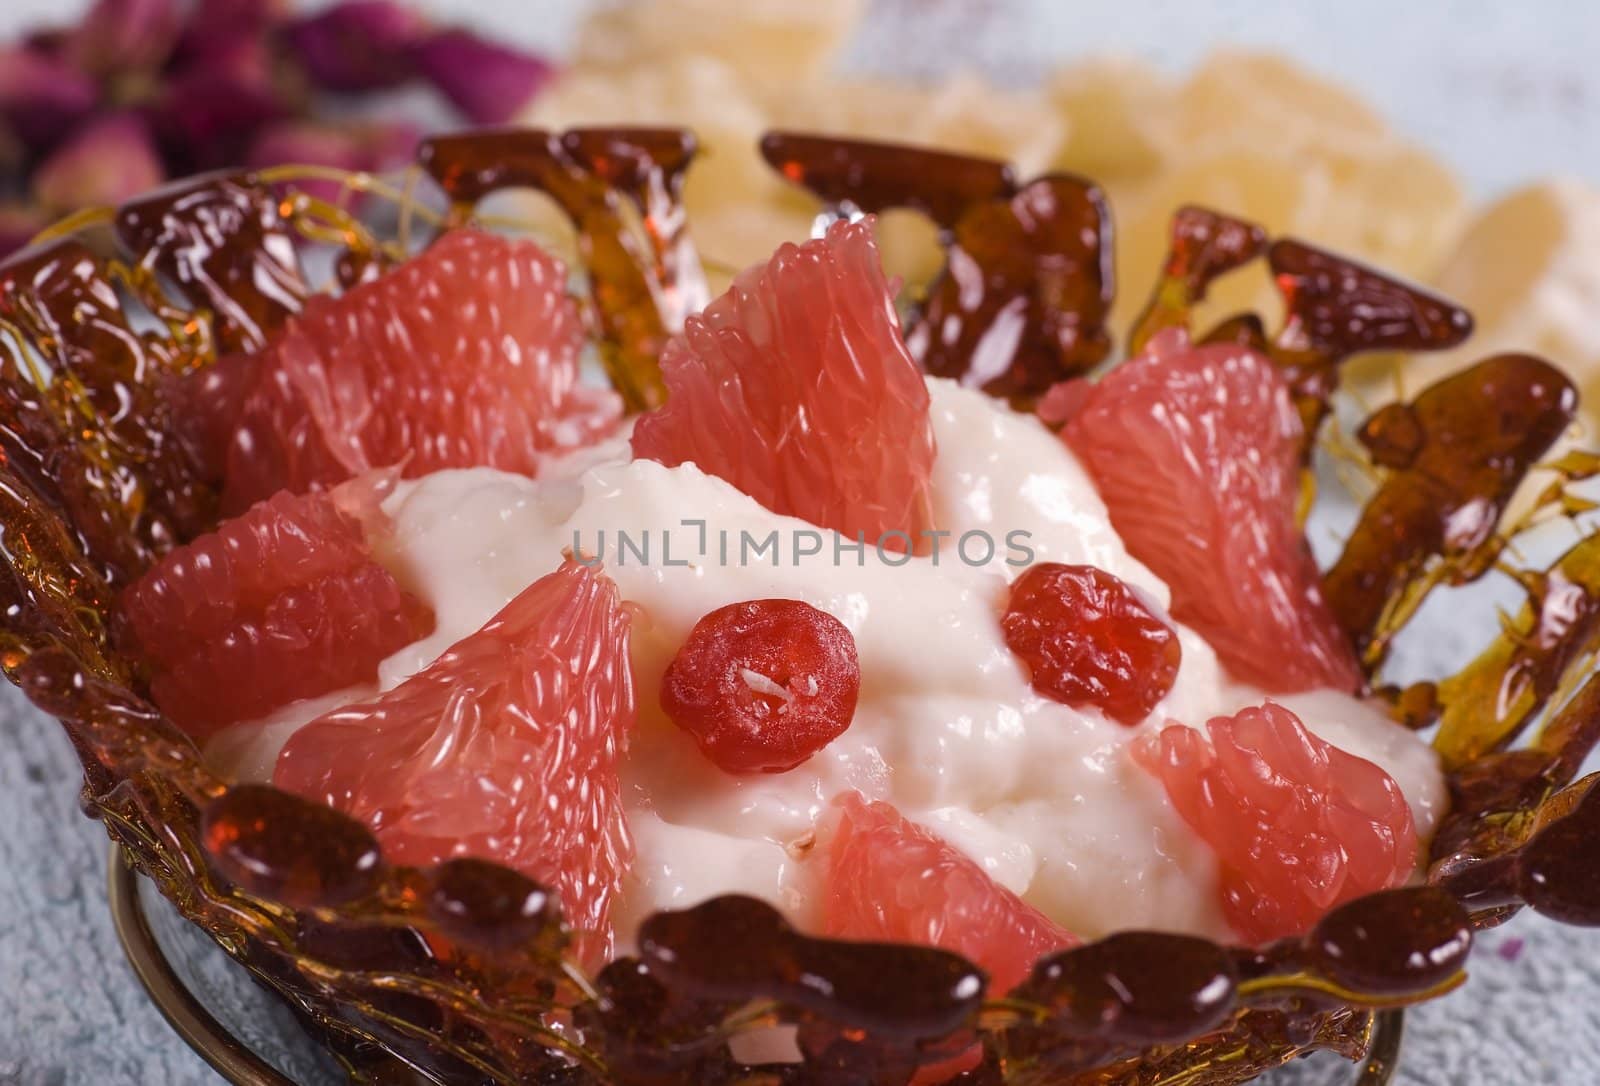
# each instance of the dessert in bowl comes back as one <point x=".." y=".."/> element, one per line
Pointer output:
<point x="845" y="694"/>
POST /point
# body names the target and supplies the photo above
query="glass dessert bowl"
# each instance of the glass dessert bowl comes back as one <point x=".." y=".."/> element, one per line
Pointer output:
<point x="545" y="810"/>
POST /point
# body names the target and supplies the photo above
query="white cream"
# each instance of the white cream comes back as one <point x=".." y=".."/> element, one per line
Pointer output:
<point x="946" y="727"/>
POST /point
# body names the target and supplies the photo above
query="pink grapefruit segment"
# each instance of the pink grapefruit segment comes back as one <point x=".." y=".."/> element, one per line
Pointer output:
<point x="1299" y="825"/>
<point x="1195" y="451"/>
<point x="466" y="355"/>
<point x="284" y="602"/>
<point x="504" y="748"/>
<point x="796" y="387"/>
<point x="890" y="880"/>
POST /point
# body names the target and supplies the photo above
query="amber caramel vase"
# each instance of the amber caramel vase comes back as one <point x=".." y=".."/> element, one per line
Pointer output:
<point x="462" y="971"/>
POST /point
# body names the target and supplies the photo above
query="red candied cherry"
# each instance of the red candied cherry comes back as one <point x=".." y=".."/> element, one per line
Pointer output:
<point x="764" y="684"/>
<point x="1089" y="639"/>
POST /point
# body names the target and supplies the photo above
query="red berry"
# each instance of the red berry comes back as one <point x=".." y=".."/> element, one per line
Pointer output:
<point x="1298" y="825"/>
<point x="763" y="685"/>
<point x="1089" y="639"/>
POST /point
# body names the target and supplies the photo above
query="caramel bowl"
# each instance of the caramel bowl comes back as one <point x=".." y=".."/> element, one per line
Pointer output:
<point x="463" y="972"/>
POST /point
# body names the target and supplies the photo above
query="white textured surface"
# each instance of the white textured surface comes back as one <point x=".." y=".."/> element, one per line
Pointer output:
<point x="1504" y="92"/>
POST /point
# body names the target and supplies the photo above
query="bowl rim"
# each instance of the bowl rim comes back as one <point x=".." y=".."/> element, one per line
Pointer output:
<point x="240" y="1066"/>
<point x="188" y="1017"/>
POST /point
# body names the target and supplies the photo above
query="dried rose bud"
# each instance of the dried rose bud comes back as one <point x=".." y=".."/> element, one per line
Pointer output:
<point x="237" y="16"/>
<point x="208" y="117"/>
<point x="109" y="160"/>
<point x="18" y="223"/>
<point x="359" y="45"/>
<point x="119" y="36"/>
<point x="42" y="97"/>
<point x="346" y="147"/>
<point x="245" y="57"/>
<point x="233" y="36"/>
<point x="308" y="142"/>
<point x="50" y="40"/>
<point x="489" y="83"/>
<point x="391" y="144"/>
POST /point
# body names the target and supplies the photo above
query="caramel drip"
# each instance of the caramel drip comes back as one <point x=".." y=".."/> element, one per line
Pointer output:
<point x="278" y="846"/>
<point x="1028" y="282"/>
<point x="1489" y="703"/>
<point x="651" y="1034"/>
<point x="1497" y="800"/>
<point x="1540" y="854"/>
<point x="353" y="267"/>
<point x="1455" y="455"/>
<point x="137" y="761"/>
<point x="1334" y="308"/>
<point x="1205" y="245"/>
<point x="1556" y="870"/>
<point x="880" y="1010"/>
<point x="224" y="242"/>
<point x="644" y="283"/>
<point x="865" y="176"/>
<point x="51" y="595"/>
<point x="1140" y="991"/>
<point x="733" y="949"/>
<point x="1136" y="988"/>
<point x="1244" y="329"/>
<point x="84" y="419"/>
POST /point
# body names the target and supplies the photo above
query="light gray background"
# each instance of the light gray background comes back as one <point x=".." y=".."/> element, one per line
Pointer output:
<point x="1505" y="92"/>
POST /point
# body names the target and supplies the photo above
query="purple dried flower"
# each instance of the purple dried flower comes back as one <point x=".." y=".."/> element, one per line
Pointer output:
<point x="140" y="89"/>
<point x="347" y="147"/>
<point x="46" y="39"/>
<point x="245" y="56"/>
<point x="121" y="36"/>
<point x="310" y="143"/>
<point x="41" y="97"/>
<point x="391" y="144"/>
<point x="207" y="117"/>
<point x="109" y="160"/>
<point x="18" y="223"/>
<point x="489" y="83"/>
<point x="237" y="16"/>
<point x="1511" y="949"/>
<point x="359" y="45"/>
<point x="233" y="36"/>
<point x="241" y="53"/>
